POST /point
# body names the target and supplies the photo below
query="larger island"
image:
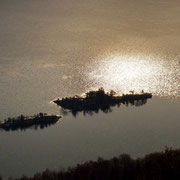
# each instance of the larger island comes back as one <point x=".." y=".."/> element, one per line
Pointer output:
<point x="94" y="100"/>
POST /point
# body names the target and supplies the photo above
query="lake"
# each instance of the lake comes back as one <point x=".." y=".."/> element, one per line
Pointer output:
<point x="62" y="48"/>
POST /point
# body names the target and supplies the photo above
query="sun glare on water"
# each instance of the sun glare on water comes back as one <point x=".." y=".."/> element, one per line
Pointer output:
<point x="124" y="73"/>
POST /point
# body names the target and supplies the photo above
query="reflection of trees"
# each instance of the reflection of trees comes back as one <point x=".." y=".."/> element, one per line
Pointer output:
<point x="32" y="126"/>
<point x="39" y="121"/>
<point x="105" y="109"/>
<point x="95" y="101"/>
<point x="136" y="102"/>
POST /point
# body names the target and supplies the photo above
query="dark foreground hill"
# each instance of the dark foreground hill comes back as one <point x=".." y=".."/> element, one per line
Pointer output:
<point x="156" y="166"/>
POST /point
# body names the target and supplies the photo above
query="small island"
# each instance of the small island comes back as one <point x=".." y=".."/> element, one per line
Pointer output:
<point x="22" y="122"/>
<point x="95" y="100"/>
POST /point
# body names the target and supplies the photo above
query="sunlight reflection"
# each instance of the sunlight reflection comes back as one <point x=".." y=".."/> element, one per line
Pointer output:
<point x="124" y="73"/>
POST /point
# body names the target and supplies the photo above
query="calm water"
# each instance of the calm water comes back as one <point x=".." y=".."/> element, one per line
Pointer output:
<point x="62" y="48"/>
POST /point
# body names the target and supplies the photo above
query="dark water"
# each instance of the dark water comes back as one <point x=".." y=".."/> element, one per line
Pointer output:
<point x="133" y="130"/>
<point x="62" y="48"/>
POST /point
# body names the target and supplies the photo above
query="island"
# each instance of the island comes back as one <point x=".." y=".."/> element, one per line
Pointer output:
<point x="22" y="122"/>
<point x="95" y="100"/>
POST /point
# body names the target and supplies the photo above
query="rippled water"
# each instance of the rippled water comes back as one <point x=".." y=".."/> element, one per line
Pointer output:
<point x="125" y="73"/>
<point x="62" y="48"/>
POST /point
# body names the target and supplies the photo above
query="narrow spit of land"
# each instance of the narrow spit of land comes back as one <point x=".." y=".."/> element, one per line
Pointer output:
<point x="22" y="122"/>
<point x="99" y="99"/>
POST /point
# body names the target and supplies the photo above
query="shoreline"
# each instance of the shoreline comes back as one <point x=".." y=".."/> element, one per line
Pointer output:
<point x="157" y="165"/>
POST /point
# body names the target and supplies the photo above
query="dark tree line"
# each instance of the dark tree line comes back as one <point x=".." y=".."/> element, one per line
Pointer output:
<point x="156" y="166"/>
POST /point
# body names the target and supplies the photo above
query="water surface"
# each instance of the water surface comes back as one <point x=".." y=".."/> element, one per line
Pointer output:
<point x="62" y="48"/>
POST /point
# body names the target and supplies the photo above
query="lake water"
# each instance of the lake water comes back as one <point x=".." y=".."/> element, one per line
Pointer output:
<point x="62" y="48"/>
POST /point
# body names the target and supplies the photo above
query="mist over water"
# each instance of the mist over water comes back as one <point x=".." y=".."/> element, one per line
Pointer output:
<point x="59" y="48"/>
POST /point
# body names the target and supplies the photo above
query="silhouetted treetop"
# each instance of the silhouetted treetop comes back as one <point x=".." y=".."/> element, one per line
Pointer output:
<point x="158" y="166"/>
